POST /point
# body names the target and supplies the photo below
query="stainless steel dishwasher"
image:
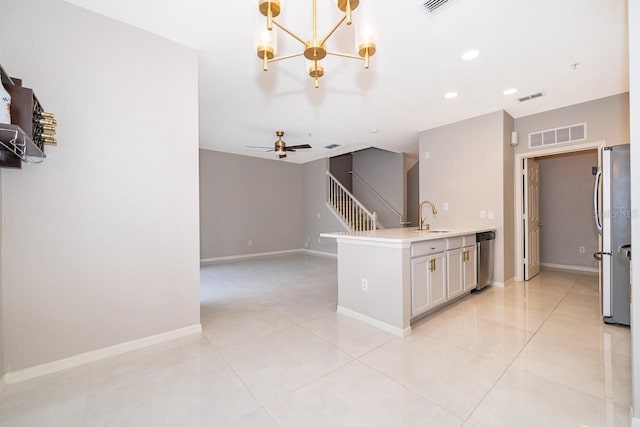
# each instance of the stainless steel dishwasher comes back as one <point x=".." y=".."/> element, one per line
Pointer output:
<point x="485" y="242"/>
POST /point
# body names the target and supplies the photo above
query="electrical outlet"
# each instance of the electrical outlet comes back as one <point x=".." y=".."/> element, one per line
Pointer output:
<point x="445" y="206"/>
<point x="250" y="242"/>
<point x="427" y="155"/>
<point x="483" y="214"/>
<point x="491" y="215"/>
<point x="318" y="214"/>
<point x="581" y="249"/>
<point x="365" y="285"/>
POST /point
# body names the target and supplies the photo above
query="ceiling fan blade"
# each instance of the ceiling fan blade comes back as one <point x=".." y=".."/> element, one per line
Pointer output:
<point x="298" y="147"/>
<point x="262" y="148"/>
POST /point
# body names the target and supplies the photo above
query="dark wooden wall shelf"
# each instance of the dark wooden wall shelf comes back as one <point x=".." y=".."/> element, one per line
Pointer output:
<point x="17" y="143"/>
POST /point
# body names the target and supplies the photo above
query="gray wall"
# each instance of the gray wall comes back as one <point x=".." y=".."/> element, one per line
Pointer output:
<point x="318" y="217"/>
<point x="385" y="172"/>
<point x="508" y="191"/>
<point x="340" y="166"/>
<point x="467" y="168"/>
<point x="103" y="243"/>
<point x="607" y="120"/>
<point x="246" y="199"/>
<point x="413" y="194"/>
<point x="566" y="209"/>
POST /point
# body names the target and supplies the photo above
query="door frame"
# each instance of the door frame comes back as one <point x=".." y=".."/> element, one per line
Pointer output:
<point x="519" y="195"/>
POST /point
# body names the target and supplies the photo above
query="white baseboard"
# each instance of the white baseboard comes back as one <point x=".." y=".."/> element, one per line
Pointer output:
<point x="402" y="333"/>
<point x="95" y="355"/>
<point x="503" y="284"/>
<point x="248" y="256"/>
<point x="266" y="254"/>
<point x="320" y="253"/>
<point x="569" y="267"/>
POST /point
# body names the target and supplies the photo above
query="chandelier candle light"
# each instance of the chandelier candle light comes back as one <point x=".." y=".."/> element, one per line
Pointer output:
<point x="315" y="50"/>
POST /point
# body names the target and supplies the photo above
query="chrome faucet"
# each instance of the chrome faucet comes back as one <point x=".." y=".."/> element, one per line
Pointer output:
<point x="423" y="224"/>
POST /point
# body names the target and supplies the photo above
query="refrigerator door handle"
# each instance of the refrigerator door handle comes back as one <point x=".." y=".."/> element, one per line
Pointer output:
<point x="596" y="204"/>
<point x="598" y="255"/>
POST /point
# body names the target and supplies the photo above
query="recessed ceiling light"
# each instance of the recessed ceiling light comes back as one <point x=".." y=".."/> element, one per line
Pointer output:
<point x="470" y="54"/>
<point x="510" y="91"/>
<point x="450" y="95"/>
<point x="374" y="130"/>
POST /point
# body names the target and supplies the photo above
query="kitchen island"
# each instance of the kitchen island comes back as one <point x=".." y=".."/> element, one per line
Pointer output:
<point x="389" y="277"/>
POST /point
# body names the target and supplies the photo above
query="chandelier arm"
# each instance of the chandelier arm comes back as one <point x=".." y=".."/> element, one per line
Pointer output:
<point x="280" y="58"/>
<point x="291" y="33"/>
<point x="345" y="55"/>
<point x="333" y="30"/>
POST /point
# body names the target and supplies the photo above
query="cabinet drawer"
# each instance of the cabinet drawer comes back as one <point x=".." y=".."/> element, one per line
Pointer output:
<point x="428" y="247"/>
<point x="454" y="242"/>
<point x="469" y="240"/>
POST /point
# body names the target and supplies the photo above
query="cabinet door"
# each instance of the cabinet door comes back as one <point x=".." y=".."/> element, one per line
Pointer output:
<point x="438" y="279"/>
<point x="455" y="272"/>
<point x="470" y="264"/>
<point x="419" y="285"/>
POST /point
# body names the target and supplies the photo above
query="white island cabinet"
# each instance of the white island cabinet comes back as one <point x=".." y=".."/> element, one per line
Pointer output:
<point x="428" y="276"/>
<point x="461" y="265"/>
<point x="389" y="277"/>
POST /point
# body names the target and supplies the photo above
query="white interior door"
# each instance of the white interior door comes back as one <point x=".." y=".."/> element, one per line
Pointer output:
<point x="532" y="218"/>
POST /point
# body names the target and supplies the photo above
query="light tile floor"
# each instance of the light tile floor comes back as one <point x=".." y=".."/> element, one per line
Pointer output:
<point x="275" y="353"/>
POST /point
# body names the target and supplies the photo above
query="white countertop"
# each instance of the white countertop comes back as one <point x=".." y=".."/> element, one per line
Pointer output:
<point x="405" y="235"/>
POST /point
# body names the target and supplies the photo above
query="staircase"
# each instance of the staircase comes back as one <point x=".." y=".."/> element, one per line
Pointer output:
<point x="355" y="216"/>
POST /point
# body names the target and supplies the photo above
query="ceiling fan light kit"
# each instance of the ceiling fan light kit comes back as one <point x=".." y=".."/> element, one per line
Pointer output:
<point x="315" y="49"/>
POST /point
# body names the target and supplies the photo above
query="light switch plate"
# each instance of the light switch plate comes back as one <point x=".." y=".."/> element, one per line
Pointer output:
<point x="491" y="215"/>
<point x="445" y="206"/>
<point x="427" y="155"/>
<point x="483" y="214"/>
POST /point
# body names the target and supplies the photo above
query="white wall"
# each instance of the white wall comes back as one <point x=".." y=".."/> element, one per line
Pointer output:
<point x="100" y="244"/>
<point x="2" y="370"/>
<point x="634" y="90"/>
<point x="246" y="199"/>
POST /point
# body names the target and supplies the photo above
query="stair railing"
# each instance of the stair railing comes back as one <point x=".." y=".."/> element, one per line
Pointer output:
<point x="355" y="215"/>
<point x="375" y="193"/>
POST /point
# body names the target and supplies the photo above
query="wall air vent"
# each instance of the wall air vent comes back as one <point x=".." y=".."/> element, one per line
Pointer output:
<point x="431" y="7"/>
<point x="331" y="146"/>
<point x="561" y="135"/>
<point x="530" y="97"/>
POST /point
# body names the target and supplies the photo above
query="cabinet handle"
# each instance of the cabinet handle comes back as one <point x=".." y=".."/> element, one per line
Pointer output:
<point x="466" y="255"/>
<point x="432" y="265"/>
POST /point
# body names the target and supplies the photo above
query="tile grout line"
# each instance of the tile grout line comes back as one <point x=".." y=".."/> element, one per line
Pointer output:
<point x="510" y="364"/>
<point x="400" y="384"/>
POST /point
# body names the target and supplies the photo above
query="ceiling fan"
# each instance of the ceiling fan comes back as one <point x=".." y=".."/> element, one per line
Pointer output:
<point x="280" y="147"/>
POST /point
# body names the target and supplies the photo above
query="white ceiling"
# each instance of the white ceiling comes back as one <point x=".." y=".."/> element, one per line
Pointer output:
<point x="527" y="44"/>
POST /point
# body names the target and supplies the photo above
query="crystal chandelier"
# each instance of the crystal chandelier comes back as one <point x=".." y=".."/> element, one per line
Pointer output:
<point x="315" y="49"/>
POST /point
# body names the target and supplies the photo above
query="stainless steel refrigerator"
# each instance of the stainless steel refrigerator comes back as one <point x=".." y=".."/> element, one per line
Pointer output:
<point x="612" y="212"/>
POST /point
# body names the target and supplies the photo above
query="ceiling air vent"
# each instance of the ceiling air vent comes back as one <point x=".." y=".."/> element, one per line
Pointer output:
<point x="561" y="135"/>
<point x="434" y="6"/>
<point x="530" y="97"/>
<point x="331" y="146"/>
